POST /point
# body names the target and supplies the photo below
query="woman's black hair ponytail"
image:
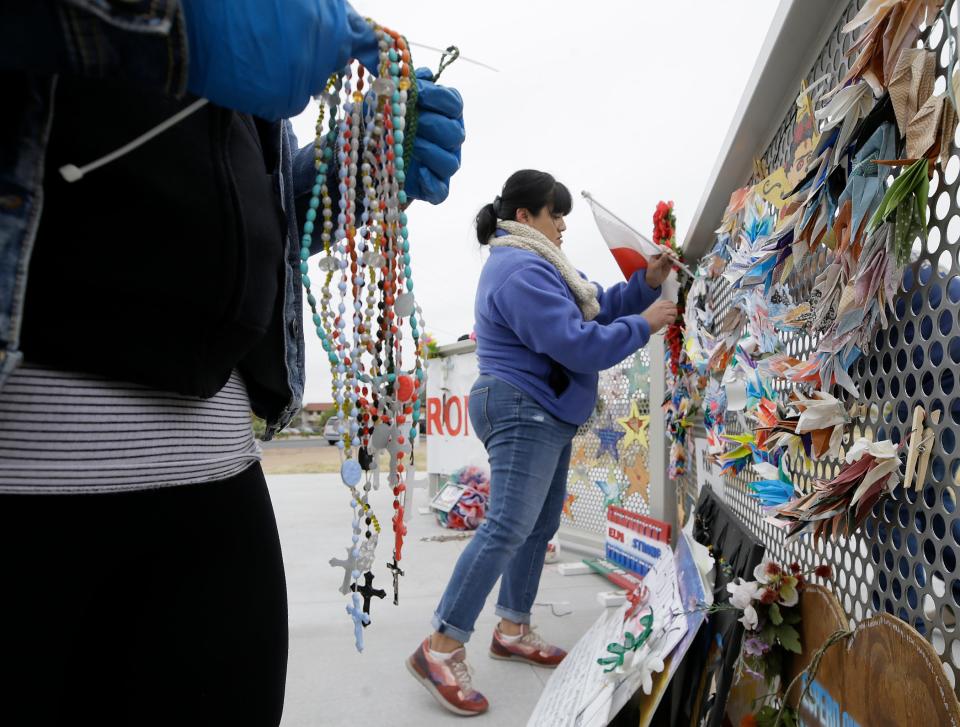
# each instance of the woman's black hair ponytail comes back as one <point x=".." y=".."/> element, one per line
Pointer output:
<point x="527" y="189"/>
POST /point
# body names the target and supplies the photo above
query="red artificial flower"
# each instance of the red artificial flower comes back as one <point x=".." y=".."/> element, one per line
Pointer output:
<point x="664" y="223"/>
<point x="768" y="596"/>
<point x="823" y="571"/>
<point x="795" y="568"/>
<point x="773" y="569"/>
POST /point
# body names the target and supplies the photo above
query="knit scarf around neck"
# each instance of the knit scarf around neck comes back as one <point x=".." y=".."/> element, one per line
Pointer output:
<point x="527" y="238"/>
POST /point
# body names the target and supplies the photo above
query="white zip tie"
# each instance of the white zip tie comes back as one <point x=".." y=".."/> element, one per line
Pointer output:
<point x="462" y="57"/>
<point x="71" y="172"/>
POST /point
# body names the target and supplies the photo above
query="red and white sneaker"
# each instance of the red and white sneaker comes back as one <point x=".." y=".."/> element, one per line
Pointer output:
<point x="448" y="680"/>
<point x="527" y="647"/>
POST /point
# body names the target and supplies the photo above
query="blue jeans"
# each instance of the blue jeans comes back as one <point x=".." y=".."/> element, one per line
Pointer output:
<point x="529" y="451"/>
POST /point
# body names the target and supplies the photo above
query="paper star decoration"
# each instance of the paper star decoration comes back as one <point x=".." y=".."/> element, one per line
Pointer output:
<point x="568" y="505"/>
<point x="636" y="377"/>
<point x="579" y="456"/>
<point x="609" y="440"/>
<point x="610" y="490"/>
<point x="639" y="480"/>
<point x="635" y="426"/>
<point x="578" y="474"/>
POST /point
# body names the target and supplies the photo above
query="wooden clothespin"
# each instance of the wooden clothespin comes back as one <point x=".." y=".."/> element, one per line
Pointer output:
<point x="857" y="411"/>
<point x="926" y="449"/>
<point x="919" y="448"/>
<point x="913" y="448"/>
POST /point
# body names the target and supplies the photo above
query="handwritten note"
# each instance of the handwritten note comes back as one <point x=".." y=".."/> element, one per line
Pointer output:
<point x="578" y="693"/>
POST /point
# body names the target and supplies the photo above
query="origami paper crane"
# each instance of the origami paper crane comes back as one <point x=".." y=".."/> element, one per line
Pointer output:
<point x="892" y="26"/>
<point x="814" y="218"/>
<point x="726" y="340"/>
<point x="765" y="414"/>
<point x="568" y="504"/>
<point x="744" y="451"/>
<point x="812" y="427"/>
<point x="865" y="185"/>
<point x="849" y="302"/>
<point x="731" y="216"/>
<point x="911" y="84"/>
<point x="839" y="506"/>
<point x="907" y="197"/>
<point x="847" y="107"/>
<point x="775" y="488"/>
<point x="714" y="406"/>
<point x="755" y="252"/>
<point x="930" y="132"/>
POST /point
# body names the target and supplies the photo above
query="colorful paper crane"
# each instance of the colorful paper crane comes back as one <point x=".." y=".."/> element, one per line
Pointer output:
<point x="839" y="506"/>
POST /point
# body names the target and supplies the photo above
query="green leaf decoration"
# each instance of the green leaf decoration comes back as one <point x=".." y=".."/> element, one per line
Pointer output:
<point x="630" y="643"/>
<point x="791" y="616"/>
<point x="789" y="639"/>
<point x="774" y="612"/>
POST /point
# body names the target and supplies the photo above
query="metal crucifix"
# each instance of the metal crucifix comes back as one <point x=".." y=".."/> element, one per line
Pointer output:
<point x="395" y="568"/>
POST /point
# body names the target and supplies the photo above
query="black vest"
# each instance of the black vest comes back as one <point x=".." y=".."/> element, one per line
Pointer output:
<point x="165" y="267"/>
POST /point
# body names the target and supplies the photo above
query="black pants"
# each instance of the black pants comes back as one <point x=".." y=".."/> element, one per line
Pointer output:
<point x="164" y="607"/>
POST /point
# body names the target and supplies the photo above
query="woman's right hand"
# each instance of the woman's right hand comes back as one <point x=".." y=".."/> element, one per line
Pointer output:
<point x="660" y="314"/>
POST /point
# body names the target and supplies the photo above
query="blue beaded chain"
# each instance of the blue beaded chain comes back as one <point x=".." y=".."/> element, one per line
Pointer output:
<point x="380" y="222"/>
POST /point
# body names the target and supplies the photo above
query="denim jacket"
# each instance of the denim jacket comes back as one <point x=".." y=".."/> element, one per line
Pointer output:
<point x="138" y="40"/>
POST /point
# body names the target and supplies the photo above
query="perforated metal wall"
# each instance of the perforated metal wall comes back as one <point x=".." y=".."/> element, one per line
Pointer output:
<point x="592" y="463"/>
<point x="905" y="559"/>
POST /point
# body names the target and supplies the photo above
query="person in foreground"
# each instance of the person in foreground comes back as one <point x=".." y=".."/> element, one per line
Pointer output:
<point x="543" y="335"/>
<point x="145" y="310"/>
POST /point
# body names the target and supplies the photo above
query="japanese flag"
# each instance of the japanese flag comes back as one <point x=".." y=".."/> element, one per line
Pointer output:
<point x="629" y="248"/>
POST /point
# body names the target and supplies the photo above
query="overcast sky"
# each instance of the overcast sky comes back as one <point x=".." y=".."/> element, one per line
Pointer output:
<point x="628" y="100"/>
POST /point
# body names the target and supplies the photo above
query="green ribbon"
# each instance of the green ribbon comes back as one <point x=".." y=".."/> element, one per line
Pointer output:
<point x="630" y="643"/>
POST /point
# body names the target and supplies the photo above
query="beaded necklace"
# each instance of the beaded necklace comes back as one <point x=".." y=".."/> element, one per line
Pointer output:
<point x="367" y="255"/>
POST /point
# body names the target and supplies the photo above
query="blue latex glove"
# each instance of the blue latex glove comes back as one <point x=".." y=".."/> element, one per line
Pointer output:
<point x="268" y="57"/>
<point x="440" y="134"/>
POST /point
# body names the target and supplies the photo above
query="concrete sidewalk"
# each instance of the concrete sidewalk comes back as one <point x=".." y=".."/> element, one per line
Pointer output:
<point x="329" y="683"/>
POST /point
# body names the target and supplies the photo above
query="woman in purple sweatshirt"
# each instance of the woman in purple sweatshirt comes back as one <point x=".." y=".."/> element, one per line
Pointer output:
<point x="543" y="335"/>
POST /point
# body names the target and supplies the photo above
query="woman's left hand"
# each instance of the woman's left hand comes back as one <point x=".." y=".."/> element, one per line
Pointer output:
<point x="658" y="269"/>
<point x="436" y="147"/>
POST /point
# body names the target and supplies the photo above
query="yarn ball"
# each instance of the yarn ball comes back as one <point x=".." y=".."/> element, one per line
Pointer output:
<point x="470" y="510"/>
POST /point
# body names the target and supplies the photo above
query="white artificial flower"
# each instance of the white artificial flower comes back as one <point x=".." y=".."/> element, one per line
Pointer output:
<point x="743" y="593"/>
<point x="749" y="618"/>
<point x="789" y="593"/>
<point x="646" y="664"/>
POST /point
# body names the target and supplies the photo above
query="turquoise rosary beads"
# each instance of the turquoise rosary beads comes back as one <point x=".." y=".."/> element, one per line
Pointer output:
<point x="366" y="265"/>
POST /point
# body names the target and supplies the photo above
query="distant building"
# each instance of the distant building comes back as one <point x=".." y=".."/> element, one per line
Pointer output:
<point x="310" y="414"/>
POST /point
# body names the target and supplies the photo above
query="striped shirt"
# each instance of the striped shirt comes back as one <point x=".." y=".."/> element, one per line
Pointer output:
<point x="64" y="432"/>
